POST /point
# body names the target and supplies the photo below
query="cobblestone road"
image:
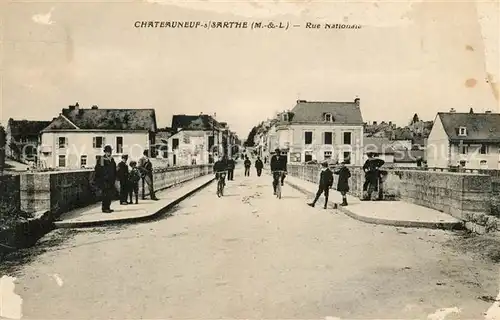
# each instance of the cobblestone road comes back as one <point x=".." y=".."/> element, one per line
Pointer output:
<point x="250" y="255"/>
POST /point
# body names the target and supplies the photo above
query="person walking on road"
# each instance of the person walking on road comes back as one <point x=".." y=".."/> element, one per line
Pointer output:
<point x="343" y="181"/>
<point x="247" y="164"/>
<point x="258" y="166"/>
<point x="146" y="168"/>
<point x="105" y="175"/>
<point x="230" y="169"/>
<point x="122" y="174"/>
<point x="325" y="183"/>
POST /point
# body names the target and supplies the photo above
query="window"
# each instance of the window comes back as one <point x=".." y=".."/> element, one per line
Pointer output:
<point x="328" y="117"/>
<point x="99" y="142"/>
<point x="347" y="157"/>
<point x="484" y="149"/>
<point x="175" y="143"/>
<point x="285" y="117"/>
<point x="83" y="161"/>
<point x="347" y="138"/>
<point x="308" y="137"/>
<point x="119" y="144"/>
<point x="210" y="142"/>
<point x="462" y="131"/>
<point x="62" y="161"/>
<point x="62" y="142"/>
<point x="327" y="155"/>
<point x="308" y="157"/>
<point x="464" y="149"/>
<point x="328" y="138"/>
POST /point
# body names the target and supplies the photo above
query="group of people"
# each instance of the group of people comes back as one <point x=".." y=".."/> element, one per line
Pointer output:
<point x="107" y="172"/>
<point x="259" y="165"/>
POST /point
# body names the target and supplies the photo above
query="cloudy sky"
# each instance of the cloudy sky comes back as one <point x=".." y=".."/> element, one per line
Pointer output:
<point x="408" y="57"/>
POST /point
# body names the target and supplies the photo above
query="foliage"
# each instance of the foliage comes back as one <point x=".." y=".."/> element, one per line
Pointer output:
<point x="3" y="141"/>
<point x="251" y="135"/>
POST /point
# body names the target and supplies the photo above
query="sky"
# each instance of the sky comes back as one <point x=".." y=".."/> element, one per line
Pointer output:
<point x="408" y="57"/>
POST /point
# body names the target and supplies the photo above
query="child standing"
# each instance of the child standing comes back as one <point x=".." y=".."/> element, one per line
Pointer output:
<point x="343" y="183"/>
<point x="134" y="178"/>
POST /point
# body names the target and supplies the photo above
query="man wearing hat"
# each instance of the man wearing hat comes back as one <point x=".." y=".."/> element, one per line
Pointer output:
<point x="122" y="174"/>
<point x="277" y="164"/>
<point x="325" y="183"/>
<point x="146" y="169"/>
<point x="105" y="175"/>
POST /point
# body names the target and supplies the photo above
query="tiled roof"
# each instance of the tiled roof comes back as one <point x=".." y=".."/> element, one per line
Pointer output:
<point x="408" y="156"/>
<point x="189" y="122"/>
<point x="313" y="112"/>
<point x="481" y="127"/>
<point x="105" y="119"/>
<point x="377" y="145"/>
<point x="27" y="127"/>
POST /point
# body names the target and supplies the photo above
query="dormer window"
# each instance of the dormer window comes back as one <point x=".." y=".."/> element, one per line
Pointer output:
<point x="462" y="131"/>
<point x="328" y="117"/>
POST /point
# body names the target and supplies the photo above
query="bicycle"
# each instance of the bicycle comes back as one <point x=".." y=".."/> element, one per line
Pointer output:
<point x="220" y="183"/>
<point x="278" y="184"/>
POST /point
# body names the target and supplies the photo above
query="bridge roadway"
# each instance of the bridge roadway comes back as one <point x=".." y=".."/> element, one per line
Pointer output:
<point x="250" y="255"/>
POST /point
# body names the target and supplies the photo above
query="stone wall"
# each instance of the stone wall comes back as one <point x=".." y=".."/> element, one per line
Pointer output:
<point x="9" y="198"/>
<point x="59" y="192"/>
<point x="466" y="196"/>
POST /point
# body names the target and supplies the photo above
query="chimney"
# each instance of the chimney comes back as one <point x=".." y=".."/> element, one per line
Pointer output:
<point x="71" y="108"/>
<point x="301" y="101"/>
<point x="356" y="101"/>
<point x="390" y="123"/>
<point x="374" y="123"/>
<point x="95" y="107"/>
<point x="487" y="111"/>
<point x="452" y="110"/>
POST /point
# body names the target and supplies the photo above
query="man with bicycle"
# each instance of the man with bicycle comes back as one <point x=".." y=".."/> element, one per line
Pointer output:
<point x="278" y="169"/>
<point x="220" y="168"/>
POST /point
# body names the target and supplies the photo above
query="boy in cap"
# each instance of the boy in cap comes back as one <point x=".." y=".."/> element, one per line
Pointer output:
<point x="343" y="182"/>
<point x="122" y="174"/>
<point x="325" y="183"/>
<point x="134" y="178"/>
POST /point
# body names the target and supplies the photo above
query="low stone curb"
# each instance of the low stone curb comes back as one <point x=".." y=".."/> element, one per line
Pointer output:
<point x="394" y="223"/>
<point x="111" y="222"/>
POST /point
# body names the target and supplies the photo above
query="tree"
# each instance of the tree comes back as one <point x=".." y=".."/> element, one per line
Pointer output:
<point x="415" y="119"/>
<point x="471" y="111"/>
<point x="251" y="135"/>
<point x="2" y="148"/>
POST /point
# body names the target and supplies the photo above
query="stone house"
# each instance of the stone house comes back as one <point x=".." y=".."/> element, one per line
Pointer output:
<point x="77" y="136"/>
<point x="23" y="138"/>
<point x="468" y="140"/>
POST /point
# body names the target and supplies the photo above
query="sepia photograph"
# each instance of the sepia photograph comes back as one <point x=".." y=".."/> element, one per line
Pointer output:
<point x="250" y="159"/>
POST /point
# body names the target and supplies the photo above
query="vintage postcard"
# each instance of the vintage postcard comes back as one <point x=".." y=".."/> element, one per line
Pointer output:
<point x="251" y="159"/>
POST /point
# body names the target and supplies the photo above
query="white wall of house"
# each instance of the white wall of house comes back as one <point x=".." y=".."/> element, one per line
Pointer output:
<point x="319" y="150"/>
<point x="437" y="148"/>
<point x="474" y="158"/>
<point x="80" y="149"/>
<point x="192" y="145"/>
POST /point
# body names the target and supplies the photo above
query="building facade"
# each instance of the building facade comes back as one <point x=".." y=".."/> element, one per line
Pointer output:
<point x="77" y="137"/>
<point x="468" y="140"/>
<point x="319" y="131"/>
<point x="23" y="139"/>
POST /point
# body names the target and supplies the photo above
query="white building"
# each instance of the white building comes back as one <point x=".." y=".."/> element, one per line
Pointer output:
<point x="77" y="136"/>
<point x="319" y="131"/>
<point x="469" y="140"/>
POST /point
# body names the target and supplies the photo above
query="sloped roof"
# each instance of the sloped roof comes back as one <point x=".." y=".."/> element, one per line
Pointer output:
<point x="313" y="112"/>
<point x="105" y="119"/>
<point x="377" y="145"/>
<point x="26" y="127"/>
<point x="190" y="122"/>
<point x="481" y="127"/>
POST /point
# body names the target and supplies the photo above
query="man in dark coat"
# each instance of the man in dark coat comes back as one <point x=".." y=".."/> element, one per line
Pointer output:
<point x="259" y="165"/>
<point x="247" y="165"/>
<point x="372" y="173"/>
<point x="325" y="183"/>
<point x="146" y="169"/>
<point x="122" y="174"/>
<point x="278" y="168"/>
<point x="230" y="169"/>
<point x="105" y="175"/>
<point x="343" y="182"/>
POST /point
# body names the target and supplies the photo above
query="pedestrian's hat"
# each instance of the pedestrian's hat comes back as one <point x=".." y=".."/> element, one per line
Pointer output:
<point x="108" y="148"/>
<point x="125" y="156"/>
